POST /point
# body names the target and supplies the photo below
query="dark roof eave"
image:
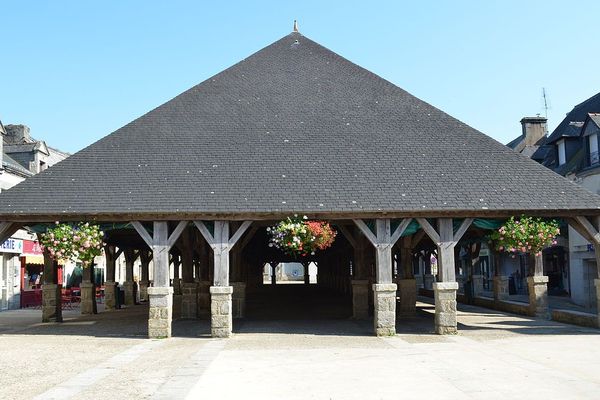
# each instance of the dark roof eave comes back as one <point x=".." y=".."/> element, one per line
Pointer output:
<point x="276" y="215"/>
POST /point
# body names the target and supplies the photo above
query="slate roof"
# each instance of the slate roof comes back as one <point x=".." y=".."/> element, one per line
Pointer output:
<point x="13" y="166"/>
<point x="293" y="128"/>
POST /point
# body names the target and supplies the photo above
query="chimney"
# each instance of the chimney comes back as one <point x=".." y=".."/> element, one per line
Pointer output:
<point x="18" y="133"/>
<point x="534" y="128"/>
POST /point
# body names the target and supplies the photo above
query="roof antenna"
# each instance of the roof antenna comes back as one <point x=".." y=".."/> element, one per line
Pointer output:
<point x="295" y="26"/>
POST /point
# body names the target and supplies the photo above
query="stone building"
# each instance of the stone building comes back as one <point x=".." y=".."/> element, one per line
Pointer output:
<point x="572" y="151"/>
<point x="294" y="128"/>
<point x="21" y="156"/>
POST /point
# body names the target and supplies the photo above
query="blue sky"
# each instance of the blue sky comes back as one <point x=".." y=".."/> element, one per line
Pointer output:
<point x="74" y="71"/>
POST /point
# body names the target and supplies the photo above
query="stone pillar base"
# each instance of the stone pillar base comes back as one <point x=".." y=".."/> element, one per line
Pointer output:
<point x="477" y="285"/>
<point x="129" y="292"/>
<point x="160" y="314"/>
<point x="538" y="296"/>
<point x="51" y="303"/>
<point x="203" y="299"/>
<point x="239" y="299"/>
<point x="428" y="281"/>
<point x="500" y="288"/>
<point x="360" y="299"/>
<point x="445" y="308"/>
<point x="144" y="285"/>
<point x="407" y="291"/>
<point x="189" y="300"/>
<point x="88" y="298"/>
<point x="177" y="286"/>
<point x="110" y="296"/>
<point x="597" y="283"/>
<point x="221" y="321"/>
<point x="177" y="305"/>
<point x="384" y="297"/>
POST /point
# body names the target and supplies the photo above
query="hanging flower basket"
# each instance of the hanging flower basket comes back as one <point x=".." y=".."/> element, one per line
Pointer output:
<point x="525" y="235"/>
<point x="297" y="236"/>
<point x="82" y="242"/>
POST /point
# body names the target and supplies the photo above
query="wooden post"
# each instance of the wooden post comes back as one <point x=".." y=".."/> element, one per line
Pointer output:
<point x="145" y="258"/>
<point x="131" y="255"/>
<point x="384" y="291"/>
<point x="111" y="254"/>
<point x="221" y="293"/>
<point x="161" y="294"/>
<point x="445" y="291"/>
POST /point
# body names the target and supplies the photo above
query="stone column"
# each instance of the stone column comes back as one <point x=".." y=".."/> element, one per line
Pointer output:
<point x="220" y="307"/>
<point x="88" y="292"/>
<point x="428" y="281"/>
<point x="145" y="257"/>
<point x="189" y="288"/>
<point x="407" y="289"/>
<point x="161" y="312"/>
<point x="360" y="299"/>
<point x="477" y="285"/>
<point x="189" y="300"/>
<point x="220" y="293"/>
<point x="500" y="287"/>
<point x="128" y="286"/>
<point x="51" y="291"/>
<point x="239" y="299"/>
<point x="538" y="296"/>
<point x="445" y="307"/>
<point x="110" y="294"/>
<point x="445" y="291"/>
<point x="537" y="285"/>
<point x="160" y="296"/>
<point x="203" y="299"/>
<point x="407" y="285"/>
<point x="385" y="308"/>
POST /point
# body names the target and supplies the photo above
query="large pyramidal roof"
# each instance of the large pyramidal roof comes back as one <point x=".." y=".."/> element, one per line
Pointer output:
<point x="294" y="128"/>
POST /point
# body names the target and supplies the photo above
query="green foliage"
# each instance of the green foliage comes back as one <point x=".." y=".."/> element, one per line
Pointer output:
<point x="526" y="235"/>
<point x="82" y="242"/>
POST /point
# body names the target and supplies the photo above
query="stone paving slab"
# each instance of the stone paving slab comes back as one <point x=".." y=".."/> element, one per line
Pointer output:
<point x="495" y="355"/>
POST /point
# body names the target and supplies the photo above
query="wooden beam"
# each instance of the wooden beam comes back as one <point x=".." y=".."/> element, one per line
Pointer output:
<point x="589" y="228"/>
<point x="348" y="235"/>
<point x="142" y="232"/>
<point x="366" y="231"/>
<point x="205" y="233"/>
<point x="580" y="229"/>
<point x="247" y="238"/>
<point x="429" y="230"/>
<point x="160" y="254"/>
<point x="176" y="233"/>
<point x="417" y="238"/>
<point x="7" y="229"/>
<point x="238" y="234"/>
<point x="462" y="229"/>
<point x="400" y="230"/>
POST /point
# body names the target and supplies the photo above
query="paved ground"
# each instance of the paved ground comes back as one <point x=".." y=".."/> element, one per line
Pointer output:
<point x="106" y="357"/>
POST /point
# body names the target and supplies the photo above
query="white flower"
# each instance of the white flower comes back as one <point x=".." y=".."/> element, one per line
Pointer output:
<point x="305" y="217"/>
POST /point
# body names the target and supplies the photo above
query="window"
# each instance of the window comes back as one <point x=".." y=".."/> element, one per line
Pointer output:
<point x="593" y="143"/>
<point x="562" y="155"/>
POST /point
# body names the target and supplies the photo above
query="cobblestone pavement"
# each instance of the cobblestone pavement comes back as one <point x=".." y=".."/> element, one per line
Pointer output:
<point x="106" y="356"/>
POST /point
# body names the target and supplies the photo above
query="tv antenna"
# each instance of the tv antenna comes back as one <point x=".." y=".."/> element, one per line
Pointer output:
<point x="546" y="103"/>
